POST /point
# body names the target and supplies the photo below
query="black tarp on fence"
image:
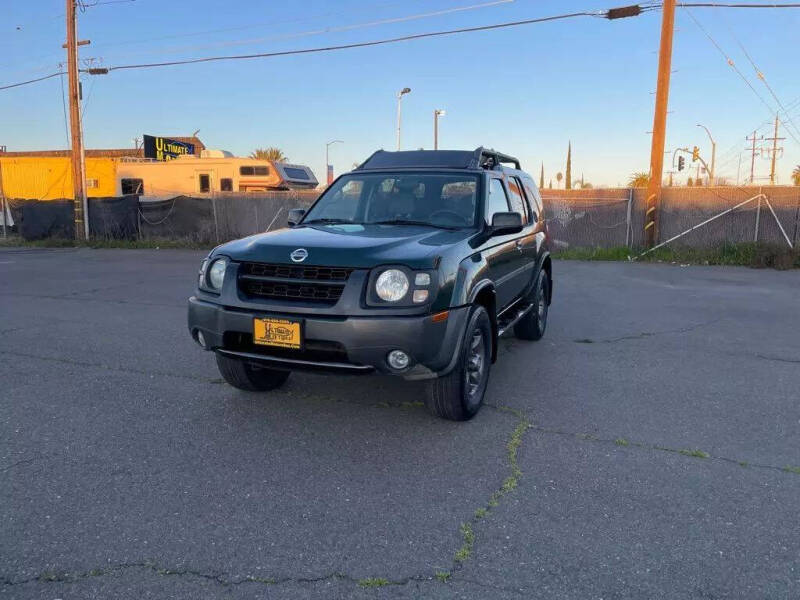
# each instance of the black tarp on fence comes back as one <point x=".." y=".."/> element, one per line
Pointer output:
<point x="109" y="218"/>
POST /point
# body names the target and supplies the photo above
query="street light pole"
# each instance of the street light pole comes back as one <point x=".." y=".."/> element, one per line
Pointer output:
<point x="713" y="155"/>
<point x="439" y="112"/>
<point x="400" y="94"/>
<point x="328" y="170"/>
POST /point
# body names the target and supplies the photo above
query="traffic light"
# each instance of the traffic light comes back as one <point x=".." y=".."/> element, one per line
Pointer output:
<point x="681" y="163"/>
<point x="695" y="154"/>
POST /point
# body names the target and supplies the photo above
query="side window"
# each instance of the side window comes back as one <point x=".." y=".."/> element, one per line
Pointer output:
<point x="204" y="183"/>
<point x="226" y="184"/>
<point x="534" y="197"/>
<point x="517" y="202"/>
<point x="131" y="186"/>
<point x="498" y="201"/>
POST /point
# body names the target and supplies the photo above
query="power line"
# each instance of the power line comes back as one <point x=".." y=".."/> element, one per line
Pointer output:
<point x="404" y="38"/>
<point x="13" y="85"/>
<point x="721" y="5"/>
<point x="326" y="30"/>
<point x="760" y="74"/>
<point x="728" y="59"/>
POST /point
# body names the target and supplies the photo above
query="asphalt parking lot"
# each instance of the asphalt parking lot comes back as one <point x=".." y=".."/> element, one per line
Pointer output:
<point x="648" y="447"/>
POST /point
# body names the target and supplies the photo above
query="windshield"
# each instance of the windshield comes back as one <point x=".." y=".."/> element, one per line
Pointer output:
<point x="433" y="199"/>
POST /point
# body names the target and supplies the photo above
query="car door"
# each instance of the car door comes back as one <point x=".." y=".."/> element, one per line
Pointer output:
<point x="501" y="253"/>
<point x="539" y="229"/>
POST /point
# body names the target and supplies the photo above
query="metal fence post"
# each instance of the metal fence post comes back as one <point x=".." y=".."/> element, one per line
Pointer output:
<point x="3" y="199"/>
<point x="758" y="216"/>
<point x="214" y="211"/>
<point x="628" y="219"/>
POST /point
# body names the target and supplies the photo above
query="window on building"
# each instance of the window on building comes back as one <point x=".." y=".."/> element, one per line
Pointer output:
<point x="204" y="180"/>
<point x="515" y="196"/>
<point x="132" y="186"/>
<point x="226" y="184"/>
<point x="92" y="184"/>
<point x="498" y="201"/>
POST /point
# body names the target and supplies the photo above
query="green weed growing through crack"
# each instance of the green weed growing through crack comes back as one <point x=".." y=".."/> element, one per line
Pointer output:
<point x="371" y="582"/>
<point x="468" y="537"/>
<point x="694" y="453"/>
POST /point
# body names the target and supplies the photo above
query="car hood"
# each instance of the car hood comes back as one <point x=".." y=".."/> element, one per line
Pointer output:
<point x="357" y="246"/>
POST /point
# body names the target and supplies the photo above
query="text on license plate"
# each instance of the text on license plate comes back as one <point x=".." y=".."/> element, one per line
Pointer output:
<point x="277" y="332"/>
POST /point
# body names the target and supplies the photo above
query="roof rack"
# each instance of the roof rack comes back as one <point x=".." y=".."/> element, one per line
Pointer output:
<point x="487" y="158"/>
<point x="480" y="158"/>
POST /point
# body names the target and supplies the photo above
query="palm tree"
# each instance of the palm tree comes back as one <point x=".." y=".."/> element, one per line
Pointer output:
<point x="272" y="153"/>
<point x="640" y="179"/>
<point x="796" y="175"/>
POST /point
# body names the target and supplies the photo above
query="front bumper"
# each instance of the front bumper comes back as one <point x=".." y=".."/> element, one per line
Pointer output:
<point x="336" y="344"/>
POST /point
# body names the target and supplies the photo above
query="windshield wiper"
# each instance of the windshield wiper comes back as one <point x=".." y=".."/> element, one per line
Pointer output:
<point x="411" y="222"/>
<point x="328" y="221"/>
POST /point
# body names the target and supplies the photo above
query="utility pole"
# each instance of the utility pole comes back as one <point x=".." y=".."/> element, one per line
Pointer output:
<point x="753" y="155"/>
<point x="774" y="139"/>
<point x="76" y="135"/>
<point x="659" y="123"/>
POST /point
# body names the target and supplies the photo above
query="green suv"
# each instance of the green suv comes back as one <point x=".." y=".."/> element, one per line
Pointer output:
<point x="413" y="264"/>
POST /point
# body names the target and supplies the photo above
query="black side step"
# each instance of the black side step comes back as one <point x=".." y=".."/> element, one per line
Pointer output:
<point x="507" y="323"/>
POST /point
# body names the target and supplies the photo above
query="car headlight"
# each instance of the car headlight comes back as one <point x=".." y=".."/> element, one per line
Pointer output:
<point x="216" y="273"/>
<point x="391" y="285"/>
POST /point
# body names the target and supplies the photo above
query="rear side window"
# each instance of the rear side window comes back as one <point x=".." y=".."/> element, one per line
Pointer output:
<point x="498" y="201"/>
<point x="517" y="201"/>
<point x="534" y="196"/>
<point x="295" y="173"/>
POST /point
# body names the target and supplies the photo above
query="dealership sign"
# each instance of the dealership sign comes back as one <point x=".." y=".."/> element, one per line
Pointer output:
<point x="162" y="148"/>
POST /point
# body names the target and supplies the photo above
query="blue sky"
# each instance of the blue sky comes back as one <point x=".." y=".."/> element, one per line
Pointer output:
<point x="525" y="90"/>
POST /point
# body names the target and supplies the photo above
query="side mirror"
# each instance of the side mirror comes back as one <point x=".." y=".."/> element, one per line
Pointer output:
<point x="295" y="216"/>
<point x="504" y="223"/>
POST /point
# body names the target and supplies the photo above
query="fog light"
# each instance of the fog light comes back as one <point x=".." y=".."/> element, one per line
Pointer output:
<point x="201" y="338"/>
<point x="398" y="359"/>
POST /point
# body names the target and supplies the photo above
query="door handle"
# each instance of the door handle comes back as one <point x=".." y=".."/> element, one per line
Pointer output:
<point x="519" y="245"/>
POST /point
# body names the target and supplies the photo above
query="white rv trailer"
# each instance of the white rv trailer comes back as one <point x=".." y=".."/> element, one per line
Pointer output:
<point x="213" y="172"/>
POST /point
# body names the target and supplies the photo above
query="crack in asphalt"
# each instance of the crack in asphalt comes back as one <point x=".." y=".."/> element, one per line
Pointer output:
<point x="793" y="361"/>
<point x="437" y="576"/>
<point x="624" y="443"/>
<point x="646" y="334"/>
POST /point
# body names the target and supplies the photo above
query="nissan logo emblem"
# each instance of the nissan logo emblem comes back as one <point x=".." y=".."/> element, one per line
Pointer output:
<point x="299" y="255"/>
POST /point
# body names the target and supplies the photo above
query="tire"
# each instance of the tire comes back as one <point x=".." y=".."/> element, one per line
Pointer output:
<point x="458" y="395"/>
<point x="532" y="325"/>
<point x="248" y="376"/>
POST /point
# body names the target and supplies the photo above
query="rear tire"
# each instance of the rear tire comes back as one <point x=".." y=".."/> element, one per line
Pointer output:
<point x="533" y="325"/>
<point x="249" y="376"/>
<point x="458" y="396"/>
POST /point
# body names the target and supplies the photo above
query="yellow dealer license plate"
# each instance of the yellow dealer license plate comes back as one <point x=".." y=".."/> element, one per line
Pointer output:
<point x="277" y="332"/>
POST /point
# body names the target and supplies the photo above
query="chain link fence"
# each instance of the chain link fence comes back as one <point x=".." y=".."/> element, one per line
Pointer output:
<point x="589" y="218"/>
<point x="615" y="217"/>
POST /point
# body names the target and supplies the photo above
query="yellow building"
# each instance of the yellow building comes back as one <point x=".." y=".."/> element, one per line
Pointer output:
<point x="50" y="177"/>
